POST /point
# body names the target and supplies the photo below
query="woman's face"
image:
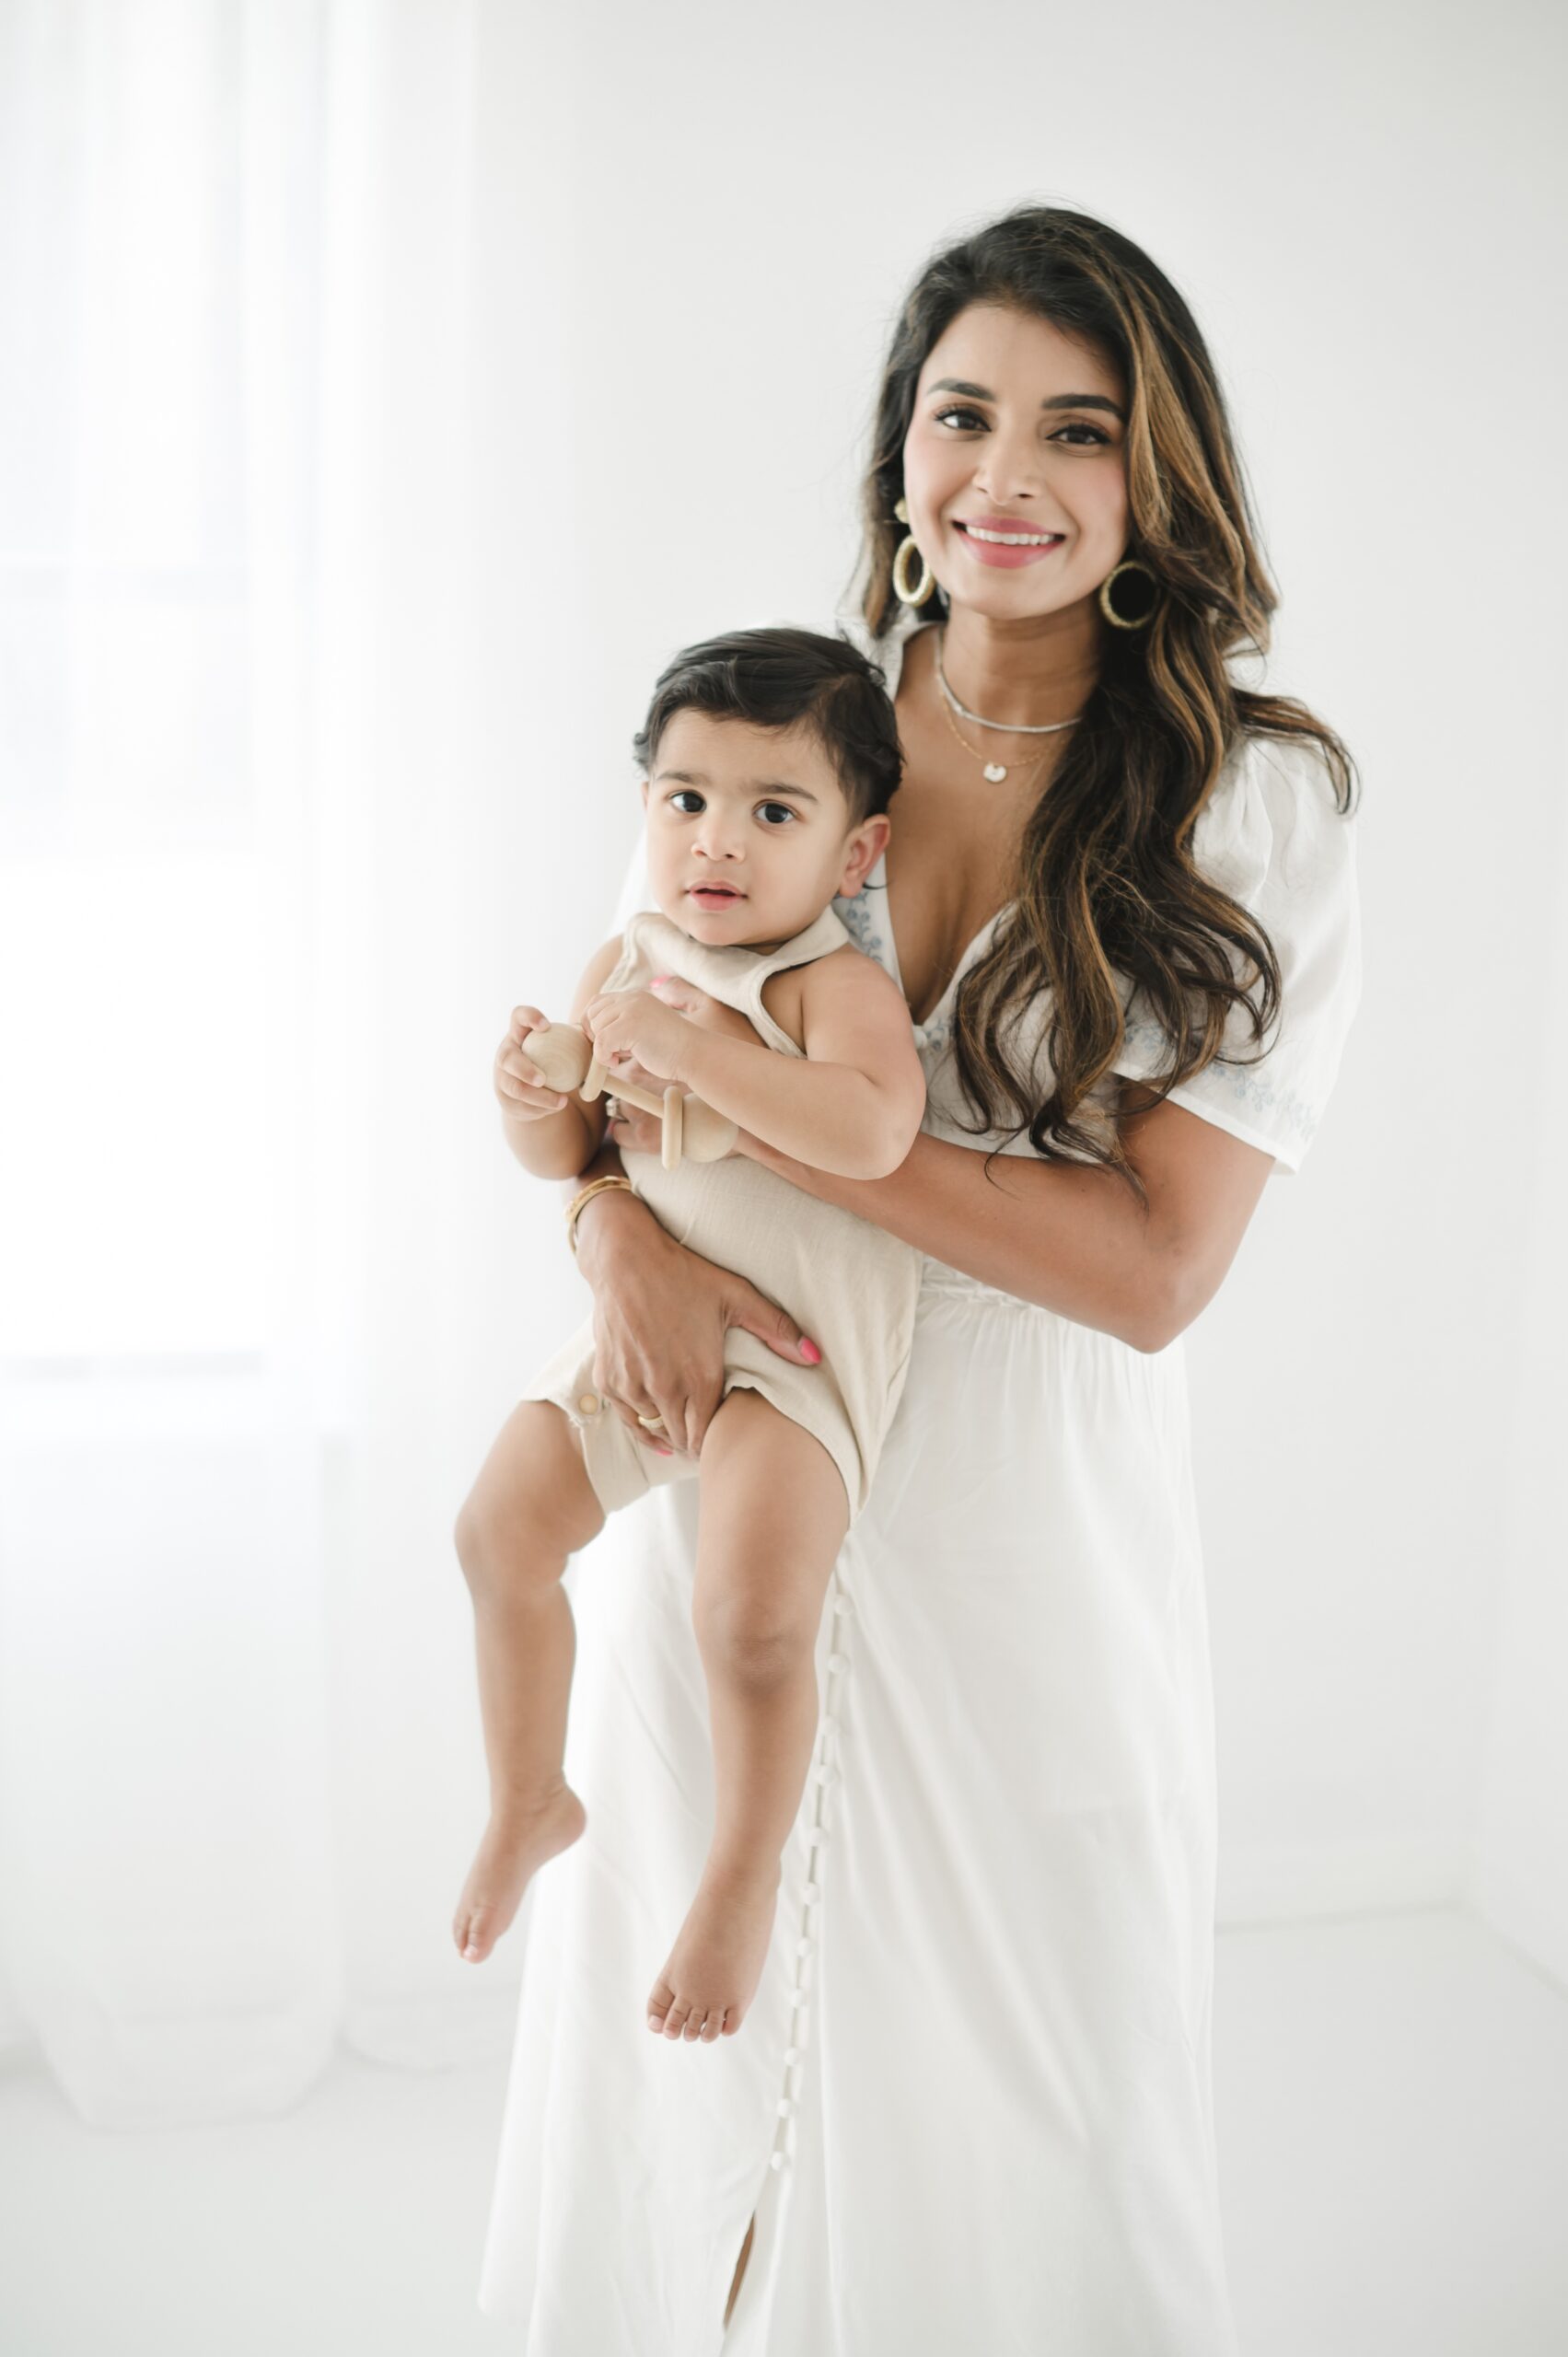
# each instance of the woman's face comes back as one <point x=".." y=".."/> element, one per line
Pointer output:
<point x="1019" y="430"/>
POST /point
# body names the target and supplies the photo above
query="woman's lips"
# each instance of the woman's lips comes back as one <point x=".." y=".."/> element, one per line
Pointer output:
<point x="998" y="551"/>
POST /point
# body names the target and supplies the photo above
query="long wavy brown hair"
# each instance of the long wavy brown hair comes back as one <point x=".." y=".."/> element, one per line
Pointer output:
<point x="1107" y="883"/>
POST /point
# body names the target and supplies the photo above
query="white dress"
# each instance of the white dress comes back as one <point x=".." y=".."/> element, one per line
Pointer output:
<point x="970" y="2104"/>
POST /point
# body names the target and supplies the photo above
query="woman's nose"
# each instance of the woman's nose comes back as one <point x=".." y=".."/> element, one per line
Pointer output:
<point x="1010" y="469"/>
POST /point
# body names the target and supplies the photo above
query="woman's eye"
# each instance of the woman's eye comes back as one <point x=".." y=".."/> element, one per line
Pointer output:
<point x="686" y="794"/>
<point x="942" y="415"/>
<point x="1077" y="426"/>
<point x="781" y="809"/>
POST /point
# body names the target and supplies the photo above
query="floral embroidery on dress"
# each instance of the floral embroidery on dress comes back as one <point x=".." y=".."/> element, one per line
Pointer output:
<point x="864" y="929"/>
<point x="1284" y="1112"/>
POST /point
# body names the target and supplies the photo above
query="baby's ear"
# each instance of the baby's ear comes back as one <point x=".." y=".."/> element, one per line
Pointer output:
<point x="644" y="794"/>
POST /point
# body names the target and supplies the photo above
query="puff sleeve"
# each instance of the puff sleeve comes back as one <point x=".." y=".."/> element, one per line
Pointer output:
<point x="1272" y="836"/>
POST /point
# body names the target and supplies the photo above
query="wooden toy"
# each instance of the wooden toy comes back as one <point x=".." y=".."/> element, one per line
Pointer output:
<point x="563" y="1053"/>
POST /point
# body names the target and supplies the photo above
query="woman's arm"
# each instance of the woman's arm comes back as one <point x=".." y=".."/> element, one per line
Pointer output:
<point x="1068" y="1236"/>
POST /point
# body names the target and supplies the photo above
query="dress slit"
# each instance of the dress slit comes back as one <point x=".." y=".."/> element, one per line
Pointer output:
<point x="760" y="2238"/>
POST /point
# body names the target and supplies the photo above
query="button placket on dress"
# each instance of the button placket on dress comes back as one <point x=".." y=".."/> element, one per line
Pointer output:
<point x="820" y="1787"/>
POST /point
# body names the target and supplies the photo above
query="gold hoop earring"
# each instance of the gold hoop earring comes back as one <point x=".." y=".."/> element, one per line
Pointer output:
<point x="1124" y="622"/>
<point x="927" y="581"/>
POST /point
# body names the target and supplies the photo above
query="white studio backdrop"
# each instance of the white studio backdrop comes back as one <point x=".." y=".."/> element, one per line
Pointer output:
<point x="389" y="390"/>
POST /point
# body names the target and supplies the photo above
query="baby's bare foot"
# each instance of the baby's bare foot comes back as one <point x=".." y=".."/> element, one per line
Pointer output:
<point x="518" y="1840"/>
<point x="718" y="1960"/>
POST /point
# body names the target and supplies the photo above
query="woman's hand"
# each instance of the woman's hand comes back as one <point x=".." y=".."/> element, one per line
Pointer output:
<point x="661" y="1312"/>
<point x="660" y="1316"/>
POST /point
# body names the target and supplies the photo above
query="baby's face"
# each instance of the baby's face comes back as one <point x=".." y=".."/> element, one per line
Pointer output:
<point x="759" y="816"/>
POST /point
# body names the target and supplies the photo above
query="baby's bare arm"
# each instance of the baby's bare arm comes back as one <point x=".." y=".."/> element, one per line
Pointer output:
<point x="853" y="1104"/>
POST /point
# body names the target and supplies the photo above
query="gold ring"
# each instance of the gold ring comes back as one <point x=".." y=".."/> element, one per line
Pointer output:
<point x="652" y="1423"/>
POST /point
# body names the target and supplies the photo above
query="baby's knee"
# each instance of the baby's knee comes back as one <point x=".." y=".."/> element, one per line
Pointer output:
<point x="755" y="1637"/>
<point x="532" y="1507"/>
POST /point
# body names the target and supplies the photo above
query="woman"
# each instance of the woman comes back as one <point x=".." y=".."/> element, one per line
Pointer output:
<point x="971" y="2108"/>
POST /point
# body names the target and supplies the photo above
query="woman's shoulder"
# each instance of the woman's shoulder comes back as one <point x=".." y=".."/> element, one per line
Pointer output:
<point x="1274" y="823"/>
<point x="886" y="651"/>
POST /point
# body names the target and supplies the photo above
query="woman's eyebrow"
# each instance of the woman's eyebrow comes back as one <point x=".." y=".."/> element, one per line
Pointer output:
<point x="747" y="785"/>
<point x="1055" y="400"/>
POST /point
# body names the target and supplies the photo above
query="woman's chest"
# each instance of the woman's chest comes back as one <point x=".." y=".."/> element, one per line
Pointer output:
<point x="952" y="857"/>
<point x="951" y="863"/>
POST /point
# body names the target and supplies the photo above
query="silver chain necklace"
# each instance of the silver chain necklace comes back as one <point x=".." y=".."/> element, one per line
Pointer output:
<point x="1013" y="727"/>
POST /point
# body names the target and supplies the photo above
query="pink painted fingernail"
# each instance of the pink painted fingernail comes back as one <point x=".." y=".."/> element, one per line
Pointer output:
<point x="660" y="978"/>
<point x="808" y="1349"/>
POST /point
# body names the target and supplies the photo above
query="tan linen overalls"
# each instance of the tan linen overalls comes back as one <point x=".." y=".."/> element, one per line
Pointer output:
<point x="848" y="1284"/>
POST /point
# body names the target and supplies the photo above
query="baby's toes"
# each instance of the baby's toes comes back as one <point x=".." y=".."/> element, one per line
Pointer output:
<point x="676" y="2019"/>
<point x="481" y="1937"/>
<point x="712" y="2026"/>
<point x="660" y="2004"/>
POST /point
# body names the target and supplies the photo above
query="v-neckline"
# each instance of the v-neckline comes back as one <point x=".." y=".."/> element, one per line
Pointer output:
<point x="893" y="672"/>
<point x="965" y="960"/>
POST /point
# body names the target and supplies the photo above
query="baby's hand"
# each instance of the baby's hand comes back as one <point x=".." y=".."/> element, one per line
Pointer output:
<point x="631" y="1028"/>
<point x="521" y="1090"/>
<point x="708" y="1012"/>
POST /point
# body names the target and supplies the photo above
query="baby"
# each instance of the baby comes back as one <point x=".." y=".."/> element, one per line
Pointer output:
<point x="770" y="757"/>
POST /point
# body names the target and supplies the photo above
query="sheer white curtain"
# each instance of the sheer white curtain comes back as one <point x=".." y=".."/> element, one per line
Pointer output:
<point x="277" y="294"/>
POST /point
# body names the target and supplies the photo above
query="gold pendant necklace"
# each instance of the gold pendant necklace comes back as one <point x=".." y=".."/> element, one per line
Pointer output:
<point x="995" y="771"/>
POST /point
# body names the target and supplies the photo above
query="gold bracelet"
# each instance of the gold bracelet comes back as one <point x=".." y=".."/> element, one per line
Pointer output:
<point x="594" y="1186"/>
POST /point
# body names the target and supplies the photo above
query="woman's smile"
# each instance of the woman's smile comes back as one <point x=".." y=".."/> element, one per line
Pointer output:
<point x="1014" y="463"/>
<point x="1005" y="540"/>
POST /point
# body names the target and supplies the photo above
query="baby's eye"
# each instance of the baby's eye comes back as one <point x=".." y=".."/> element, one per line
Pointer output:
<point x="687" y="794"/>
<point x="781" y="809"/>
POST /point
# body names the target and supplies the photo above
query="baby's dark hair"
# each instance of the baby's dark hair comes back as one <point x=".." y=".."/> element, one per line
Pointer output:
<point x="776" y="677"/>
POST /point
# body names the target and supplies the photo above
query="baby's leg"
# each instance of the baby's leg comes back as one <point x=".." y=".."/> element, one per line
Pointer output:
<point x="771" y="1519"/>
<point x="531" y="1506"/>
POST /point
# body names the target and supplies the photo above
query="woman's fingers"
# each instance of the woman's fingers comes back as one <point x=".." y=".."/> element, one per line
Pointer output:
<point x="621" y="1386"/>
<point x="640" y="1132"/>
<point x="695" y="1427"/>
<point x="658" y="1441"/>
<point x="746" y="1308"/>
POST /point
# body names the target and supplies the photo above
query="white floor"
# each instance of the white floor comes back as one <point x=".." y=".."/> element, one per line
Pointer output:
<point x="1392" y="2096"/>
